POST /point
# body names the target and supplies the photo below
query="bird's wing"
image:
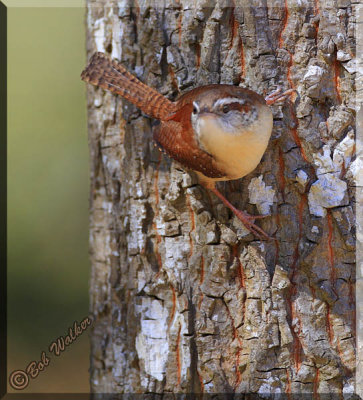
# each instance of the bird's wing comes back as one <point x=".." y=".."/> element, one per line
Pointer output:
<point x="179" y="142"/>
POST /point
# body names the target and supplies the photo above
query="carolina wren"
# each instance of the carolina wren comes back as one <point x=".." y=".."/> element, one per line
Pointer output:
<point x="219" y="131"/>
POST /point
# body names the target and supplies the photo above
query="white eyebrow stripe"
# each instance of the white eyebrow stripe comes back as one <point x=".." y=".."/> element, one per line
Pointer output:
<point x="228" y="100"/>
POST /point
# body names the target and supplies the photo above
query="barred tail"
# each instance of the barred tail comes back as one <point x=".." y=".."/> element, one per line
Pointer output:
<point x="110" y="75"/>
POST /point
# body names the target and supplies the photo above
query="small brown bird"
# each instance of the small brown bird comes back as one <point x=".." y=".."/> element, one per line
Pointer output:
<point x="219" y="131"/>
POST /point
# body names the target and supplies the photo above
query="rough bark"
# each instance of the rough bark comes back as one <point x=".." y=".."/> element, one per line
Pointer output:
<point x="184" y="299"/>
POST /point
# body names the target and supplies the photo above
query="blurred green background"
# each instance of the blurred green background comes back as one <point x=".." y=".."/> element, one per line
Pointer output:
<point x="48" y="264"/>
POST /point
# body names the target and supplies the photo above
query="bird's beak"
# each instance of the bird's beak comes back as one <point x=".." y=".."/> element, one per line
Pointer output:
<point x="206" y="114"/>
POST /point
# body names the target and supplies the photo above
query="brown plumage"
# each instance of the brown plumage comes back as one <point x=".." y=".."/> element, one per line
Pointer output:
<point x="110" y="75"/>
<point x="175" y="133"/>
<point x="219" y="131"/>
<point x="181" y="145"/>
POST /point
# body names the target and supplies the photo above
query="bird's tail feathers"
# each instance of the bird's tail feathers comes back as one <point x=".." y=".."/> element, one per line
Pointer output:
<point x="110" y="75"/>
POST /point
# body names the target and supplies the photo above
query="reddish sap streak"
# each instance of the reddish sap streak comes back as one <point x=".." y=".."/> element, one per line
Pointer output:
<point x="178" y="357"/>
<point x="312" y="289"/>
<point x="173" y="308"/>
<point x="294" y="130"/>
<point x="242" y="280"/>
<point x="239" y="349"/>
<point x="317" y="12"/>
<point x="235" y="333"/>
<point x="298" y="143"/>
<point x="281" y="42"/>
<point x="289" y="65"/>
<point x="297" y="347"/>
<point x="238" y="373"/>
<point x="325" y="139"/>
<point x="197" y="50"/>
<point x="241" y="273"/>
<point x="337" y="79"/>
<point x="173" y="78"/>
<point x="282" y="180"/>
<point x="243" y="67"/>
<point x="296" y="124"/>
<point x="317" y="9"/>
<point x="234" y="29"/>
<point x="316" y="385"/>
<point x="201" y="382"/>
<point x="284" y="24"/>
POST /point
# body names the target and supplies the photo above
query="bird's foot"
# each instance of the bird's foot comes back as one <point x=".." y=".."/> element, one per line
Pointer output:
<point x="248" y="221"/>
<point x="277" y="96"/>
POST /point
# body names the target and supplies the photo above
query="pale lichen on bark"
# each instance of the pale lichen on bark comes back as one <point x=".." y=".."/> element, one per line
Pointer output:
<point x="184" y="299"/>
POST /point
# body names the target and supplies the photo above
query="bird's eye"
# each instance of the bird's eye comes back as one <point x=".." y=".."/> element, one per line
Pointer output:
<point x="225" y="109"/>
<point x="195" y="110"/>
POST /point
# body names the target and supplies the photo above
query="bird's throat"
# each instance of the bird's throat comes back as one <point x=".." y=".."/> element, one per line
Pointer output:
<point x="237" y="153"/>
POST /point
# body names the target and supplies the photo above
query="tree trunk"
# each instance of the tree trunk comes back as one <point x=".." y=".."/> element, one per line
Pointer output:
<point x="184" y="299"/>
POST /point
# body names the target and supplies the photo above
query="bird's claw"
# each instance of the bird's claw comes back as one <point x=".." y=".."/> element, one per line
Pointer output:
<point x="277" y="96"/>
<point x="248" y="222"/>
<point x="246" y="219"/>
